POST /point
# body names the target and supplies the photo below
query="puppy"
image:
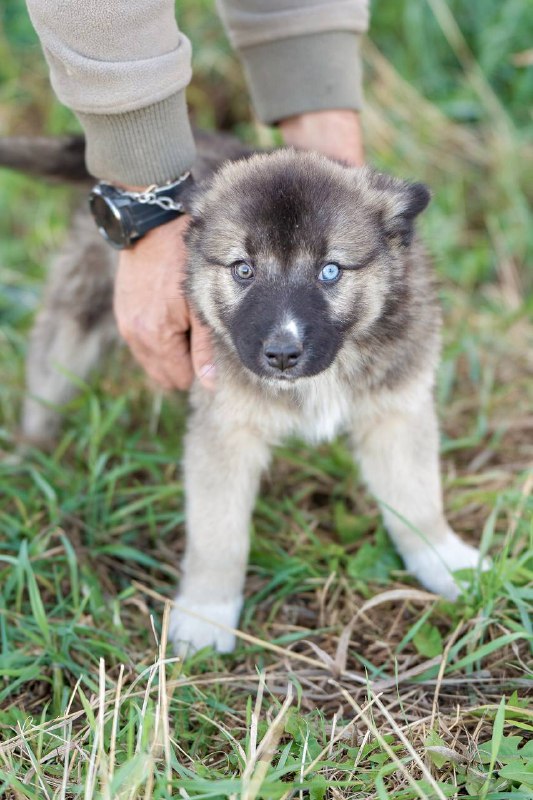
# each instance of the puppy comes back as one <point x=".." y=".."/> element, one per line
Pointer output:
<point x="325" y="320"/>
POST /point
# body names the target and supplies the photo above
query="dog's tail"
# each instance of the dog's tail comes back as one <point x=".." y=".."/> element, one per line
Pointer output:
<point x="55" y="158"/>
<point x="62" y="158"/>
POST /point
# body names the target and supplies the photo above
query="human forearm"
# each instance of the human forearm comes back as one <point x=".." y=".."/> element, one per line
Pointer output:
<point x="335" y="133"/>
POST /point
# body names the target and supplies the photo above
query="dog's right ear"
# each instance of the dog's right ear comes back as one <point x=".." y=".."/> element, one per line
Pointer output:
<point x="195" y="201"/>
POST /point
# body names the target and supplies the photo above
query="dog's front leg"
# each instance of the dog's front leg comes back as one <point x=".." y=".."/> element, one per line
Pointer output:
<point x="223" y="465"/>
<point x="399" y="455"/>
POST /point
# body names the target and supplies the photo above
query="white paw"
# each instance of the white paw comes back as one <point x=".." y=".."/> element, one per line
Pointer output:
<point x="434" y="565"/>
<point x="40" y="425"/>
<point x="189" y="633"/>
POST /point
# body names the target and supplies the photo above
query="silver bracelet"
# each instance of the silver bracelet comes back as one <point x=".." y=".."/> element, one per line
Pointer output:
<point x="150" y="195"/>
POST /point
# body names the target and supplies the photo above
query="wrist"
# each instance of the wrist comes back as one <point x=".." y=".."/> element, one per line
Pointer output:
<point x="335" y="133"/>
<point x="158" y="247"/>
<point x="124" y="216"/>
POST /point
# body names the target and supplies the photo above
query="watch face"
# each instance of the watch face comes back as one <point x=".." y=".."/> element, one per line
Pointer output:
<point x="108" y="219"/>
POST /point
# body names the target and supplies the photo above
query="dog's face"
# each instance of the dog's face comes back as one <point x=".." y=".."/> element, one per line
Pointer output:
<point x="290" y="253"/>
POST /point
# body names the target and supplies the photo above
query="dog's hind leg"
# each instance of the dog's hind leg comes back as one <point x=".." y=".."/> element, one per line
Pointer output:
<point x="73" y="329"/>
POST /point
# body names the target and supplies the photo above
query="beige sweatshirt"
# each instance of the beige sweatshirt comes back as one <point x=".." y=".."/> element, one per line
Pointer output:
<point x="123" y="65"/>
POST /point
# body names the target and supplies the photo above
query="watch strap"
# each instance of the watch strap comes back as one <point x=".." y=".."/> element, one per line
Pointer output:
<point x="139" y="218"/>
<point x="129" y="215"/>
<point x="155" y="206"/>
<point x="165" y="197"/>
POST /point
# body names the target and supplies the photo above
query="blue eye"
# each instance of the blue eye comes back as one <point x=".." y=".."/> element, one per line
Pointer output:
<point x="242" y="271"/>
<point x="329" y="273"/>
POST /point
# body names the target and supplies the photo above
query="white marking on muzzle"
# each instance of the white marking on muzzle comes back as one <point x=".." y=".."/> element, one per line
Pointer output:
<point x="292" y="327"/>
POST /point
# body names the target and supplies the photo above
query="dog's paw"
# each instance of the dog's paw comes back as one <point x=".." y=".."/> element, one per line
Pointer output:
<point x="434" y="565"/>
<point x="189" y="633"/>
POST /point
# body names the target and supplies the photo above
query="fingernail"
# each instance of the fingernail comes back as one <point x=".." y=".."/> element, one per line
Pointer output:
<point x="207" y="371"/>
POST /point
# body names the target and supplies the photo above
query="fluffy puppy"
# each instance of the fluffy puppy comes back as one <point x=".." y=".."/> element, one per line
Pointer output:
<point x="325" y="321"/>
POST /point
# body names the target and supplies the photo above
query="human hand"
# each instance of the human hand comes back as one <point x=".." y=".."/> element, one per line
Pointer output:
<point x="152" y="313"/>
<point x="336" y="133"/>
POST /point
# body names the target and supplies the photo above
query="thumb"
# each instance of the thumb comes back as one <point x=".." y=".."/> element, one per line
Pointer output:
<point x="202" y="353"/>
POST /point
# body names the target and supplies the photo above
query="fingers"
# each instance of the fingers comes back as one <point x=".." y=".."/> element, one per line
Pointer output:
<point x="170" y="367"/>
<point x="152" y="313"/>
<point x="173" y="366"/>
<point x="152" y="369"/>
<point x="167" y="358"/>
<point x="202" y="354"/>
<point x="175" y="360"/>
<point x="161" y="350"/>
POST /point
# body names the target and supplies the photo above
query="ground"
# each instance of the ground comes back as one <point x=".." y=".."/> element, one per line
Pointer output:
<point x="349" y="680"/>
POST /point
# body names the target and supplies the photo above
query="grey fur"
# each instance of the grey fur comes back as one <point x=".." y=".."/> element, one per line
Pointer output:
<point x="73" y="329"/>
<point x="369" y="353"/>
<point x="75" y="326"/>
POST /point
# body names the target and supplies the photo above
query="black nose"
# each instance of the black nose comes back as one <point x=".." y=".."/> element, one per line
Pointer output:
<point x="282" y="353"/>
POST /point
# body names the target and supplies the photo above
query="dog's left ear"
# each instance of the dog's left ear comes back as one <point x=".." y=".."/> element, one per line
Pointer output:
<point x="397" y="204"/>
<point x="399" y="218"/>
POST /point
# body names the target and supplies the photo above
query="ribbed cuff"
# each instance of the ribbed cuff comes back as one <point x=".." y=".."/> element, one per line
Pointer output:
<point x="316" y="72"/>
<point x="139" y="148"/>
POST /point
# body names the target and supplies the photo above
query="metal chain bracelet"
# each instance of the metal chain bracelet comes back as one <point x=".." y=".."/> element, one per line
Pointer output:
<point x="150" y="198"/>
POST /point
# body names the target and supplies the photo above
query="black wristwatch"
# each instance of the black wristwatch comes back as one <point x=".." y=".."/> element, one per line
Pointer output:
<point x="123" y="217"/>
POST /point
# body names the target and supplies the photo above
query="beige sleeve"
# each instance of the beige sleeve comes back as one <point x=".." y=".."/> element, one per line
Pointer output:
<point x="122" y="66"/>
<point x="298" y="55"/>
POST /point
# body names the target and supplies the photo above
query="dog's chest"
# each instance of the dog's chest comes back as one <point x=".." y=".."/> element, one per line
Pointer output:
<point x="324" y="413"/>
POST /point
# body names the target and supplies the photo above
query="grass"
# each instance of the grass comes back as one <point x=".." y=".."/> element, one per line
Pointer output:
<point x="349" y="681"/>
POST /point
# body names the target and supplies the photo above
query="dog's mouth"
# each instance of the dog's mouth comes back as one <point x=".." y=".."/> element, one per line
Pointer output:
<point x="307" y="367"/>
<point x="275" y="376"/>
<point x="282" y="377"/>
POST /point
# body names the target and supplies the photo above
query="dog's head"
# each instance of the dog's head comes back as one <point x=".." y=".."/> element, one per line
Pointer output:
<point x="290" y="253"/>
